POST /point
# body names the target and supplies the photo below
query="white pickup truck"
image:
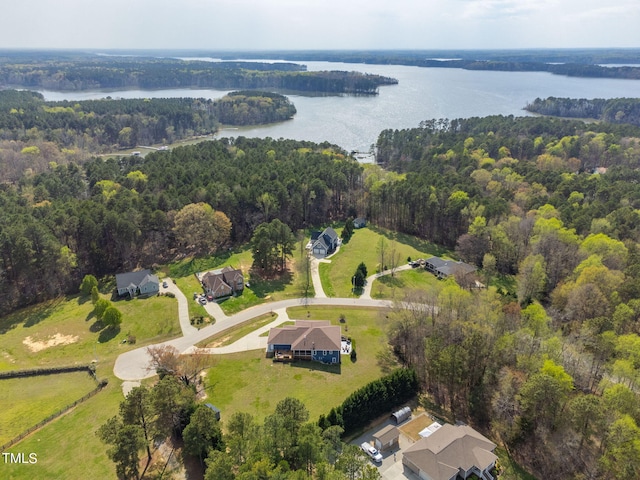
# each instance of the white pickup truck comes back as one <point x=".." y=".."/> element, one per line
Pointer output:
<point x="372" y="452"/>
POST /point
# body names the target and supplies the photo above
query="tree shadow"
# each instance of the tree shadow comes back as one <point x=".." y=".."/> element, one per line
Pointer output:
<point x="38" y="314"/>
<point x="108" y="334"/>
<point x="90" y="315"/>
<point x="334" y="368"/>
<point x="391" y="281"/>
<point x="263" y="285"/>
<point x="96" y="326"/>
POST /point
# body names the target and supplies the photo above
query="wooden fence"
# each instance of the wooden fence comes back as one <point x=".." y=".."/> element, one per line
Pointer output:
<point x="51" y="371"/>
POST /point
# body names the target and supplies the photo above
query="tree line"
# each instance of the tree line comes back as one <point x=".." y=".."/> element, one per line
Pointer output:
<point x="615" y="110"/>
<point x="86" y="72"/>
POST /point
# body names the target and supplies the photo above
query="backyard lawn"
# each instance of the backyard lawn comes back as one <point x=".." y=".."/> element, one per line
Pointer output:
<point x="250" y="382"/>
<point x="336" y="276"/>
<point x="398" y="286"/>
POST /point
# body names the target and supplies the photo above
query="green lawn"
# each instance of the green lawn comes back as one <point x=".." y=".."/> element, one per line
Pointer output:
<point x="233" y="334"/>
<point x="249" y="382"/>
<point x="397" y="286"/>
<point x="261" y="290"/>
<point x="336" y="276"/>
<point x="68" y="447"/>
<point x="27" y="401"/>
<point x="74" y="335"/>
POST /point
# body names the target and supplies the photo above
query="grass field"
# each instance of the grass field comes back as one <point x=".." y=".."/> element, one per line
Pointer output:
<point x="336" y="276"/>
<point x="68" y="447"/>
<point x="397" y="286"/>
<point x="27" y="401"/>
<point x="249" y="382"/>
<point x="233" y="334"/>
<point x="80" y="338"/>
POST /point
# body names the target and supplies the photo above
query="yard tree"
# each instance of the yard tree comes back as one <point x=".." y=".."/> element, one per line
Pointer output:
<point x="173" y="403"/>
<point x="95" y="295"/>
<point x="382" y="251"/>
<point x="112" y="317"/>
<point x="202" y="433"/>
<point x="126" y="442"/>
<point x="351" y="461"/>
<point x="167" y="360"/>
<point x="347" y="231"/>
<point x="242" y="436"/>
<point x="101" y="306"/>
<point x="200" y="229"/>
<point x="136" y="410"/>
<point x="88" y="282"/>
<point x="219" y="466"/>
<point x="271" y="244"/>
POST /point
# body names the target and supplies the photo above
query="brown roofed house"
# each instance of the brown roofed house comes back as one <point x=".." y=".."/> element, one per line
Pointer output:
<point x="450" y="453"/>
<point x="223" y="282"/>
<point x="315" y="340"/>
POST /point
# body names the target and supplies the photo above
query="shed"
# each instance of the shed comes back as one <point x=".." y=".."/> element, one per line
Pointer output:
<point x="215" y="410"/>
<point x="401" y="415"/>
<point x="387" y="438"/>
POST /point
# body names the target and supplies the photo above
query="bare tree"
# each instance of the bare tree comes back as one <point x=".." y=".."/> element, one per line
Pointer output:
<point x="167" y="360"/>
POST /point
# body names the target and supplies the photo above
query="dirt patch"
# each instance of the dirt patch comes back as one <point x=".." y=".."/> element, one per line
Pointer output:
<point x="412" y="428"/>
<point x="52" y="341"/>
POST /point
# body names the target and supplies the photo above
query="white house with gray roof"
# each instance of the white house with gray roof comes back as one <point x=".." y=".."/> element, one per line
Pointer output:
<point x="141" y="282"/>
<point x="324" y="243"/>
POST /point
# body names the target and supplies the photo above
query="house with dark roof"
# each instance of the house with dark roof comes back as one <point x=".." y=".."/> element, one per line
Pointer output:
<point x="451" y="453"/>
<point x="315" y="340"/>
<point x="445" y="268"/>
<point x="223" y="282"/>
<point x="324" y="243"/>
<point x="141" y="282"/>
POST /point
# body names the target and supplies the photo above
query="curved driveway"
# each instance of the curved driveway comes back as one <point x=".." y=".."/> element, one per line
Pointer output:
<point x="133" y="365"/>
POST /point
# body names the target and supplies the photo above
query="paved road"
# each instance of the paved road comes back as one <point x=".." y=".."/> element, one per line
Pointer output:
<point x="366" y="294"/>
<point x="132" y="366"/>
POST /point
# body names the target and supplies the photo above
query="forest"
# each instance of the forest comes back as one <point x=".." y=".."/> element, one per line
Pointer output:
<point x="34" y="133"/>
<point x="87" y="72"/>
<point x="570" y="62"/>
<point x="614" y="110"/>
<point x="545" y="359"/>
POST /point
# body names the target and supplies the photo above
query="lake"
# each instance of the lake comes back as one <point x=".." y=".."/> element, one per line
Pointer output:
<point x="354" y="122"/>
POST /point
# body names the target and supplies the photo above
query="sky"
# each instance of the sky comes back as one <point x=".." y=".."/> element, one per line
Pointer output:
<point x="319" y="24"/>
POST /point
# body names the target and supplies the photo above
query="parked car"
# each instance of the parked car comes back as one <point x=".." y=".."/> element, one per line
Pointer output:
<point x="165" y="284"/>
<point x="202" y="300"/>
<point x="372" y="452"/>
